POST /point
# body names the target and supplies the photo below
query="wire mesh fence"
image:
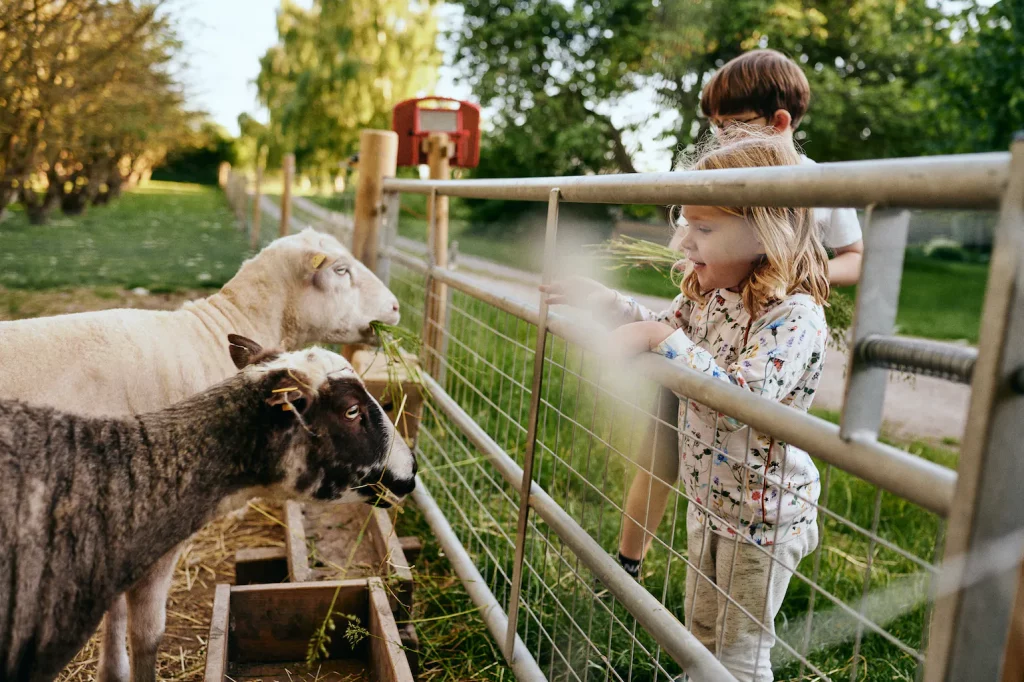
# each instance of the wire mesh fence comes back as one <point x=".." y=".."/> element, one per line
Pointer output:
<point x="861" y="596"/>
<point x="858" y="605"/>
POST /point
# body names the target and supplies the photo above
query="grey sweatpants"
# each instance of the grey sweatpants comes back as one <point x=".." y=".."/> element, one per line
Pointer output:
<point x="756" y="582"/>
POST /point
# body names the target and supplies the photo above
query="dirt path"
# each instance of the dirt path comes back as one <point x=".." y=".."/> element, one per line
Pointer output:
<point x="915" y="407"/>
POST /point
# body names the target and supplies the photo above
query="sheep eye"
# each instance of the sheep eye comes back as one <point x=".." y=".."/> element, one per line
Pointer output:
<point x="342" y="270"/>
<point x="352" y="412"/>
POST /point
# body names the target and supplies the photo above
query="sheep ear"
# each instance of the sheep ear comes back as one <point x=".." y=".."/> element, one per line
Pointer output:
<point x="243" y="351"/>
<point x="290" y="389"/>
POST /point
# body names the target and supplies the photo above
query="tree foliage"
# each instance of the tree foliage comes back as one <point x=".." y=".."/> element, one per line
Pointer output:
<point x="87" y="99"/>
<point x="888" y="77"/>
<point x="341" y="66"/>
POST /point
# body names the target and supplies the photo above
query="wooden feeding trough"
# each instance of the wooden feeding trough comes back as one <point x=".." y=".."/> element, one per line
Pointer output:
<point x="372" y="366"/>
<point x="323" y="542"/>
<point x="263" y="632"/>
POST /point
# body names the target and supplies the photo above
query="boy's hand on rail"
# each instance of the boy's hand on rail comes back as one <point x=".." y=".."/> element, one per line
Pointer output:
<point x="579" y="292"/>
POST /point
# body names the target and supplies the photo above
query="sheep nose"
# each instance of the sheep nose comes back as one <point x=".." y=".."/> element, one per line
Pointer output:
<point x="394" y="307"/>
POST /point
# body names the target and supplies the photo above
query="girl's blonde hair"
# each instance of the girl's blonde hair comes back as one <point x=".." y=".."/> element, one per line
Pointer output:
<point x="795" y="260"/>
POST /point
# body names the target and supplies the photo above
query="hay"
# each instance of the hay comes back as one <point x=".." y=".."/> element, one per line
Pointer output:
<point x="207" y="559"/>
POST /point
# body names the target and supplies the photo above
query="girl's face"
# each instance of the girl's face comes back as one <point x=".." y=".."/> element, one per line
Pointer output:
<point x="722" y="248"/>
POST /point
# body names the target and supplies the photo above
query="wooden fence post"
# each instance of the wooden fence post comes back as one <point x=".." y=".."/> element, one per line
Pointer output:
<point x="288" y="169"/>
<point x="439" y="151"/>
<point x="378" y="159"/>
<point x="223" y="173"/>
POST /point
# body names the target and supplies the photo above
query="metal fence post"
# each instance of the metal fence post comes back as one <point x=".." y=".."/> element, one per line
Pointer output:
<point x="973" y="612"/>
<point x="878" y="297"/>
<point x="550" y="237"/>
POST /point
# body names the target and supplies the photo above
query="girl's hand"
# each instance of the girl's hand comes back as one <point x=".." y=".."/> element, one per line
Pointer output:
<point x="637" y="337"/>
<point x="579" y="292"/>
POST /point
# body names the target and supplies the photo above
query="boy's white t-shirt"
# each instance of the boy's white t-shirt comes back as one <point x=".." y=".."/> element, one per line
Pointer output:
<point x="839" y="226"/>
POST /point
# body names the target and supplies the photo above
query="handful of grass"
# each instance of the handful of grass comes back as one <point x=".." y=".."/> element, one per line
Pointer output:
<point x="630" y="252"/>
<point x="625" y="252"/>
<point x="392" y="340"/>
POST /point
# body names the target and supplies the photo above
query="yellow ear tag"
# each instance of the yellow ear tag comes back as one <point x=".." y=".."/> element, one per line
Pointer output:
<point x="286" y="407"/>
<point x="318" y="260"/>
<point x="285" y="390"/>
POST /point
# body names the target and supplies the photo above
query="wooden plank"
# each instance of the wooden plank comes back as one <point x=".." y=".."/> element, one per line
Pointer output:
<point x="295" y="539"/>
<point x="412" y="546"/>
<point x="276" y="622"/>
<point x="260" y="565"/>
<point x="217" y="643"/>
<point x="393" y="560"/>
<point x="411" y="644"/>
<point x="297" y="671"/>
<point x="387" y="658"/>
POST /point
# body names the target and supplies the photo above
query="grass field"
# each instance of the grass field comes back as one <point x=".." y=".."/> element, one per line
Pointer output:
<point x="163" y="237"/>
<point x="938" y="300"/>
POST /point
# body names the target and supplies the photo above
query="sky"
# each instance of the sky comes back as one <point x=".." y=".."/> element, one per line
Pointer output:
<point x="224" y="40"/>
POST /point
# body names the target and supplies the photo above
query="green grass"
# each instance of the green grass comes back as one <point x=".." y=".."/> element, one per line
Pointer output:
<point x="163" y="237"/>
<point x="490" y="365"/>
<point x="938" y="299"/>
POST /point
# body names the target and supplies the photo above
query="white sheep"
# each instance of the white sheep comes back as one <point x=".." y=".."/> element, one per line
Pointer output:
<point x="93" y="502"/>
<point x="300" y="289"/>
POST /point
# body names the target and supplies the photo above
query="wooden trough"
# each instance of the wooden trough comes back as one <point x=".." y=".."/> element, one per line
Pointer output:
<point x="263" y="632"/>
<point x="319" y="540"/>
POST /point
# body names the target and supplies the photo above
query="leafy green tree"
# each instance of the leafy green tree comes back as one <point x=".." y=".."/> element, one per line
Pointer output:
<point x="982" y="85"/>
<point x="87" y="99"/>
<point x="888" y="77"/>
<point x="341" y="66"/>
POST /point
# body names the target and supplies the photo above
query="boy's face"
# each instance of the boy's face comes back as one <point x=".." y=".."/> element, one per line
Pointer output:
<point x="722" y="248"/>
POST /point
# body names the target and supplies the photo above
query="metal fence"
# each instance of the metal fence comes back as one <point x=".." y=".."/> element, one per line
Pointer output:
<point x="532" y="440"/>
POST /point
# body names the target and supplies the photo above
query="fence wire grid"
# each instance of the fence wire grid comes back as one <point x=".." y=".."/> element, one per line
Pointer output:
<point x="859" y="607"/>
<point x="860" y="597"/>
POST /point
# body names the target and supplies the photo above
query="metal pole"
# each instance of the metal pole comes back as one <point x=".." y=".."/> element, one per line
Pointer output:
<point x="550" y="238"/>
<point x="970" y="626"/>
<point x="522" y="663"/>
<point x="956" y="181"/>
<point x="878" y="296"/>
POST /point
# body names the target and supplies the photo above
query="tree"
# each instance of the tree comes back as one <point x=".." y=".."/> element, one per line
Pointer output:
<point x="86" y="99"/>
<point x="341" y="66"/>
<point x="888" y="77"/>
<point x="982" y="84"/>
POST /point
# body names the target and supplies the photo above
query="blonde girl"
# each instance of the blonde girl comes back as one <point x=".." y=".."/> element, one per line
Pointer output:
<point x="750" y="314"/>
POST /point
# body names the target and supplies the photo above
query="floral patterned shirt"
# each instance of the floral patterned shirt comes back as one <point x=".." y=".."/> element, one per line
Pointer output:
<point x="779" y="356"/>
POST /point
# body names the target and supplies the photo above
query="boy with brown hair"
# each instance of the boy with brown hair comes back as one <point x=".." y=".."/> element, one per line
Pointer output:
<point x="767" y="88"/>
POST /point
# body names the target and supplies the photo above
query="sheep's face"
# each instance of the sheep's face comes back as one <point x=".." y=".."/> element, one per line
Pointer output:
<point x="338" y="443"/>
<point x="339" y="296"/>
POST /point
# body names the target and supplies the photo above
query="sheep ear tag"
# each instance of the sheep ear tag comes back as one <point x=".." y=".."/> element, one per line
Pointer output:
<point x="318" y="260"/>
